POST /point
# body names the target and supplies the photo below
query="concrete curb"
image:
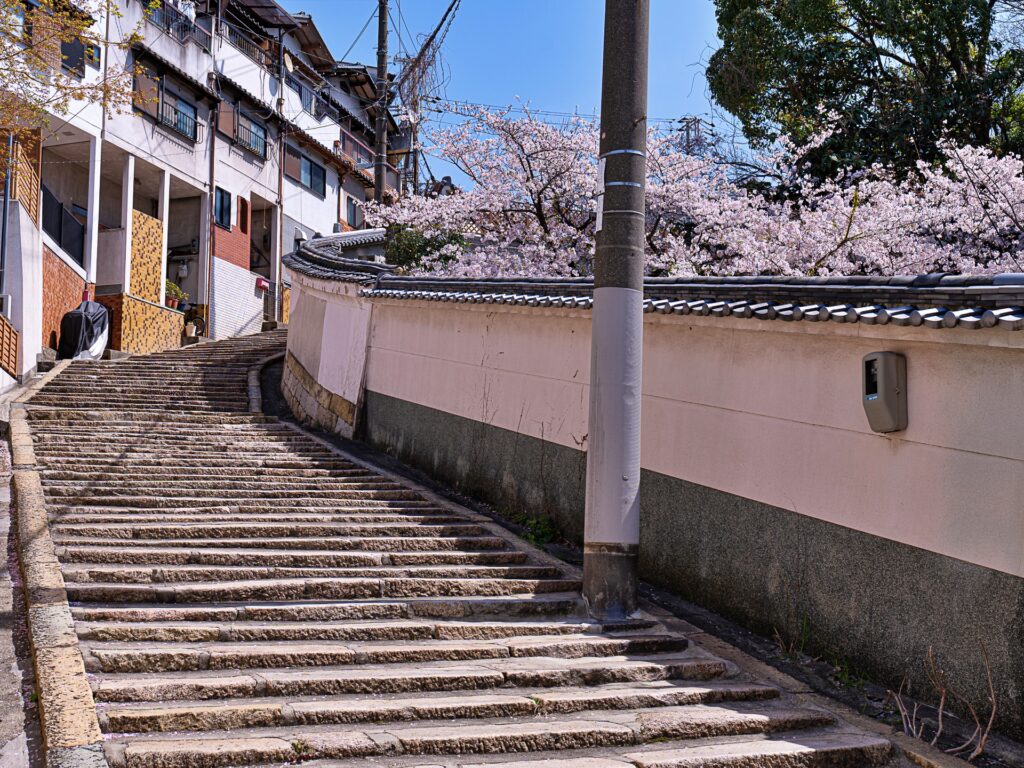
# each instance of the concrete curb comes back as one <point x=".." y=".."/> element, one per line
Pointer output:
<point x="255" y="389"/>
<point x="70" y="729"/>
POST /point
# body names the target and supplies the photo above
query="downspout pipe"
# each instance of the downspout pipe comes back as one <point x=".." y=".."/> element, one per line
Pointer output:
<point x="6" y="213"/>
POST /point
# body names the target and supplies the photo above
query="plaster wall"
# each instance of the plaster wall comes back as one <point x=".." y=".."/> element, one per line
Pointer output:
<point x="780" y="401"/>
<point x="238" y="67"/>
<point x="24" y="282"/>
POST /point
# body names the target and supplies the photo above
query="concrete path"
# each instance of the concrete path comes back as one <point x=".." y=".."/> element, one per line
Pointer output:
<point x="243" y="593"/>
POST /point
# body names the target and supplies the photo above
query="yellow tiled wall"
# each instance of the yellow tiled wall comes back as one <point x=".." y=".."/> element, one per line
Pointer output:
<point x="147" y="242"/>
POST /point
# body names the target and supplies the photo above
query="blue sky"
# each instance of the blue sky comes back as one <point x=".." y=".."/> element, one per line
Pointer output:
<point x="546" y="52"/>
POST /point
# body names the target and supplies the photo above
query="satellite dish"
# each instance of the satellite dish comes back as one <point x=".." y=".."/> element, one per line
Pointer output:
<point x="288" y="63"/>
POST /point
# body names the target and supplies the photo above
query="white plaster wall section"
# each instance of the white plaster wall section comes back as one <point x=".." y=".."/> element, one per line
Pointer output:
<point x="111" y="250"/>
<point x="732" y="406"/>
<point x="237" y="307"/>
<point x="344" y="347"/>
<point x="25" y="284"/>
<point x="316" y="214"/>
<point x="916" y="494"/>
<point x="242" y="173"/>
<point x="239" y="68"/>
<point x="306" y="331"/>
<point x="816" y="379"/>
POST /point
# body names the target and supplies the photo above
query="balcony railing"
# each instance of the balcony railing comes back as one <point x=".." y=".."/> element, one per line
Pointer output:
<point x="252" y="140"/>
<point x="178" y="25"/>
<point x="63" y="227"/>
<point x="247" y="46"/>
<point x="312" y="102"/>
<point x="360" y="153"/>
<point x="179" y="121"/>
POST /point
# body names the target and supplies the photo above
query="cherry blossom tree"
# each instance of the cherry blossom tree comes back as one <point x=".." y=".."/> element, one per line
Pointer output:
<point x="532" y="207"/>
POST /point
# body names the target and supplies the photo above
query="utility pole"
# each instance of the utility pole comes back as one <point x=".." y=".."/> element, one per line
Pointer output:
<point x="381" y="137"/>
<point x="612" y="523"/>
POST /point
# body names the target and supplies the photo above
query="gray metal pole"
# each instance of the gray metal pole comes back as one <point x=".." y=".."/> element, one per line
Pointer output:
<point x="381" y="137"/>
<point x="612" y="526"/>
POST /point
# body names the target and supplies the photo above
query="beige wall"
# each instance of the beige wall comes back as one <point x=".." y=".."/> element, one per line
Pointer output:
<point x="770" y="411"/>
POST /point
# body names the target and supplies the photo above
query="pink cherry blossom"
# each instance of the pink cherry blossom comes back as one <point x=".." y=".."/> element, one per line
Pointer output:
<point x="531" y="208"/>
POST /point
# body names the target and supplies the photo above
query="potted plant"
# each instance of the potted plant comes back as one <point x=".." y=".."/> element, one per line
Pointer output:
<point x="174" y="295"/>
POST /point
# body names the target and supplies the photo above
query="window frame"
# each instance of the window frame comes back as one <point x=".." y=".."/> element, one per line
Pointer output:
<point x="221" y="197"/>
<point x="307" y="163"/>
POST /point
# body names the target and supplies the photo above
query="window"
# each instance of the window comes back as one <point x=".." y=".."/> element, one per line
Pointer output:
<point x="243" y="215"/>
<point x="314" y="176"/>
<point x="222" y="208"/>
<point x="73" y="55"/>
<point x="251" y="135"/>
<point x="352" y="214"/>
<point x="306" y="171"/>
<point x="179" y="115"/>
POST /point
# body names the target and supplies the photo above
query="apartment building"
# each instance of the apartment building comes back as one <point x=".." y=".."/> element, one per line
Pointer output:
<point x="246" y="137"/>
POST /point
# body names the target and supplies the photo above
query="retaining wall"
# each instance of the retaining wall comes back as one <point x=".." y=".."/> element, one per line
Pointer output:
<point x="765" y="495"/>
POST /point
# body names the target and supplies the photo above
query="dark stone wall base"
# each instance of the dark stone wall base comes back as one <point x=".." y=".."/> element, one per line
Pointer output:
<point x="871" y="605"/>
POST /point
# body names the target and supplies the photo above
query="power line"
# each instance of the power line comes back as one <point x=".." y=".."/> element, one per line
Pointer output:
<point x="355" y="42"/>
<point x="439" y="107"/>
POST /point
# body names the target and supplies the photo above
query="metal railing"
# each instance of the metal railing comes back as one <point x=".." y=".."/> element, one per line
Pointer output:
<point x="312" y="102"/>
<point x="63" y="227"/>
<point x="179" y="121"/>
<point x="251" y="140"/>
<point x="246" y="45"/>
<point x="178" y="25"/>
<point x="359" y="152"/>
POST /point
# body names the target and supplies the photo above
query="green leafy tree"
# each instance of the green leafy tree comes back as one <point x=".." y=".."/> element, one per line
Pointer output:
<point x="890" y="77"/>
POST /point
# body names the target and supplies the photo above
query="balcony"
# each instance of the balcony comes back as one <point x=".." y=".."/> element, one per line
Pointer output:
<point x="359" y="152"/>
<point x="60" y="224"/>
<point x="179" y="121"/>
<point x="178" y="25"/>
<point x="247" y="46"/>
<point x="253" y="141"/>
<point x="312" y="102"/>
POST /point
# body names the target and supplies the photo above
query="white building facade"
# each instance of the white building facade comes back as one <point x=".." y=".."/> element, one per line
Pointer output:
<point x="245" y="137"/>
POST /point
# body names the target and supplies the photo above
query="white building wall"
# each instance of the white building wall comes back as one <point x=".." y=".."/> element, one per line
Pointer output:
<point x="237" y="306"/>
<point x="24" y="284"/>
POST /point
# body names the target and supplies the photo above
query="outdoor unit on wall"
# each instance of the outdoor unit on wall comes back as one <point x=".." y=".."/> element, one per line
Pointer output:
<point x="884" y="385"/>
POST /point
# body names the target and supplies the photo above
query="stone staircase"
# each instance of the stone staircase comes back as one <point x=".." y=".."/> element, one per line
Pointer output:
<point x="246" y="595"/>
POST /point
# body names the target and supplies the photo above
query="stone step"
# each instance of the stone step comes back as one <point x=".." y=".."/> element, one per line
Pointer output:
<point x="508" y="607"/>
<point x="212" y="530"/>
<point x="255" y="506"/>
<point x="459" y="737"/>
<point x="85" y="573"/>
<point x="180" y="657"/>
<point x="174" y="475"/>
<point x="403" y="544"/>
<point x="274" y="712"/>
<point x="388" y="629"/>
<point x="820" y="750"/>
<point x="313" y="589"/>
<point x="226" y="497"/>
<point x="136" y="555"/>
<point x="215" y="516"/>
<point x="402" y="678"/>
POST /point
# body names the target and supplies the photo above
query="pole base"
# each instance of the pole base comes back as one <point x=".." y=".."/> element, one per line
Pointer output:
<point x="610" y="580"/>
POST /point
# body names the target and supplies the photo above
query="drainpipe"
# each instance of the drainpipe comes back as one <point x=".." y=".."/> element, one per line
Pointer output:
<point x="7" y="209"/>
<point x="207" y="313"/>
<point x="280" y="166"/>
